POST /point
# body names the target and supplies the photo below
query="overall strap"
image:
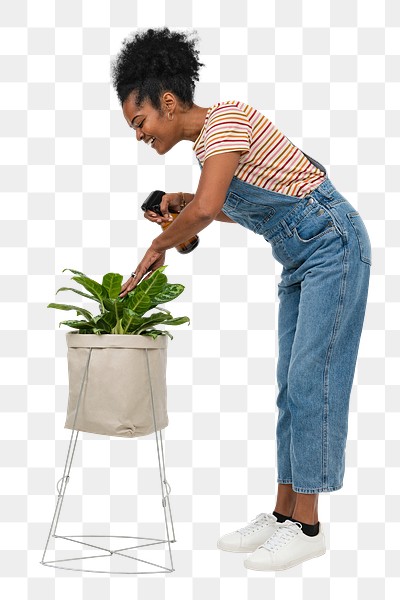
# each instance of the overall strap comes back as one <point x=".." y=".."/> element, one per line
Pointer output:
<point x="312" y="160"/>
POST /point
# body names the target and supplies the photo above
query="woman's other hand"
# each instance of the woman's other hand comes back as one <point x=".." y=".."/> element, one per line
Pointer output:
<point x="151" y="261"/>
<point x="172" y="202"/>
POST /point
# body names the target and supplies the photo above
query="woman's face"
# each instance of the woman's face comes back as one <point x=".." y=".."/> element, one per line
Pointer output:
<point x="153" y="128"/>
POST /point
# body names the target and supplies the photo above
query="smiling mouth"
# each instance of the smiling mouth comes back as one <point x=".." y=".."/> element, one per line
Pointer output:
<point x="151" y="141"/>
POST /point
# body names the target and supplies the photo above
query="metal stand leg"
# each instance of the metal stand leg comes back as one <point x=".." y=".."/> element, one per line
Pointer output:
<point x="61" y="488"/>
<point x="165" y="491"/>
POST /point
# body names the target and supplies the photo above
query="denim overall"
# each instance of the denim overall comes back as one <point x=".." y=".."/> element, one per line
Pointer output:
<point x="324" y="249"/>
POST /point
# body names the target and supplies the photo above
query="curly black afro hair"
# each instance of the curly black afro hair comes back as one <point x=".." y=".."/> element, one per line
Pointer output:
<point x="154" y="61"/>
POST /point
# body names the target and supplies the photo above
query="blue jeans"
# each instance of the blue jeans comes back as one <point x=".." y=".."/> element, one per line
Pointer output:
<point x="324" y="249"/>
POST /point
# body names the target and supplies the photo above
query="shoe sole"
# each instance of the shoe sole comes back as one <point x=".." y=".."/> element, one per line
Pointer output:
<point x="241" y="551"/>
<point x="293" y="564"/>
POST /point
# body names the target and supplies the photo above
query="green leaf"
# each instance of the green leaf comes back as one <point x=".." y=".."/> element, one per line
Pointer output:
<point x="154" y="319"/>
<point x="163" y="309"/>
<point x="170" y="292"/>
<point x="159" y="319"/>
<point x="112" y="282"/>
<point x="130" y="320"/>
<point x="83" y="325"/>
<point x="178" y="321"/>
<point x="155" y="284"/>
<point x="118" y="308"/>
<point x="68" y="289"/>
<point x="80" y="311"/>
<point x="138" y="301"/>
<point x="93" y="287"/>
<point x="108" y="304"/>
<point x="106" y="322"/>
<point x="75" y="272"/>
<point x="115" y="306"/>
<point x="154" y="333"/>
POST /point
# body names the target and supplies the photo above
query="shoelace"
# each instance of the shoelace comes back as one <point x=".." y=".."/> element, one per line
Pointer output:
<point x="254" y="525"/>
<point x="283" y="535"/>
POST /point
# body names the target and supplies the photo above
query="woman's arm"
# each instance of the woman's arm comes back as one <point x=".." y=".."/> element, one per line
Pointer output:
<point x="207" y="203"/>
<point x="221" y="216"/>
<point x="174" y="201"/>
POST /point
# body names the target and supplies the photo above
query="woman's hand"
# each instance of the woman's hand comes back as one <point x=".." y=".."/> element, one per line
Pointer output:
<point x="171" y="201"/>
<point x="151" y="261"/>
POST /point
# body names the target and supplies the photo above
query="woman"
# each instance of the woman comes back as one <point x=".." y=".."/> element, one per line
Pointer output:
<point x="253" y="175"/>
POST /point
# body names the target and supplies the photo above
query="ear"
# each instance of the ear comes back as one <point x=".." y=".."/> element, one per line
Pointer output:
<point x="169" y="101"/>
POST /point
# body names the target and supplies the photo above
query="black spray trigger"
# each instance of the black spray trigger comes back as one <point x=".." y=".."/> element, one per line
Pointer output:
<point x="153" y="202"/>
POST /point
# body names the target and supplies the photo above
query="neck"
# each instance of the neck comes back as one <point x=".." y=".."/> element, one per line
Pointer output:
<point x="192" y="122"/>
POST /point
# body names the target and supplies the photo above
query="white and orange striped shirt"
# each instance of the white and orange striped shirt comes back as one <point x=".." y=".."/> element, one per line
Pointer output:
<point x="268" y="159"/>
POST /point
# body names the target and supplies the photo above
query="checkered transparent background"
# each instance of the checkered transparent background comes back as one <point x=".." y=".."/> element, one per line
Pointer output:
<point x="72" y="178"/>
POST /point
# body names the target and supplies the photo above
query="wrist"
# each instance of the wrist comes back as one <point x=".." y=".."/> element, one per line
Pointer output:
<point x="185" y="199"/>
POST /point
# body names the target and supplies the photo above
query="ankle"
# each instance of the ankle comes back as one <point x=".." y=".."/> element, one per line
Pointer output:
<point x="284" y="510"/>
<point x="304" y="517"/>
<point x="281" y="518"/>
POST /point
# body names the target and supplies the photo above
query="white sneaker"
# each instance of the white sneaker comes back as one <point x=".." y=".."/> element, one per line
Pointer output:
<point x="249" y="538"/>
<point x="286" y="548"/>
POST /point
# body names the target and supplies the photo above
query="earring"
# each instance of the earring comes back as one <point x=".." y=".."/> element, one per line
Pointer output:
<point x="169" y="117"/>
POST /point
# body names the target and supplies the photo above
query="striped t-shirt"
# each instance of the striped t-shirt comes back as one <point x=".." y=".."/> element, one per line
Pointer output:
<point x="268" y="159"/>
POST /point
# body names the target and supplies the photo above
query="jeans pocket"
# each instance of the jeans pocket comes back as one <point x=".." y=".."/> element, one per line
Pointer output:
<point x="314" y="225"/>
<point x="362" y="236"/>
<point x="252" y="215"/>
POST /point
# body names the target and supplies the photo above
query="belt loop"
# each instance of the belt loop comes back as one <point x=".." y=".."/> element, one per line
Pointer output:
<point x="322" y="198"/>
<point x="328" y="192"/>
<point x="286" y="228"/>
<point x="322" y="195"/>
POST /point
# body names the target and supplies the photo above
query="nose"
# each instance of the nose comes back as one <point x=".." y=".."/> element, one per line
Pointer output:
<point x="139" y="135"/>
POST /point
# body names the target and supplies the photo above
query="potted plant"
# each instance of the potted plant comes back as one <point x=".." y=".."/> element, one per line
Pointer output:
<point x="117" y="358"/>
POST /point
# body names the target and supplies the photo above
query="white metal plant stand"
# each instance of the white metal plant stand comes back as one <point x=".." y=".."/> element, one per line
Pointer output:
<point x="124" y="542"/>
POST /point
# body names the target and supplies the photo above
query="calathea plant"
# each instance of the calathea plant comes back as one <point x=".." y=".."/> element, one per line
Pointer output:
<point x="128" y="315"/>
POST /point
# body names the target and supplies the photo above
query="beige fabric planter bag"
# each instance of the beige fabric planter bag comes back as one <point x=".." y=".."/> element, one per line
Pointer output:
<point x="116" y="392"/>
